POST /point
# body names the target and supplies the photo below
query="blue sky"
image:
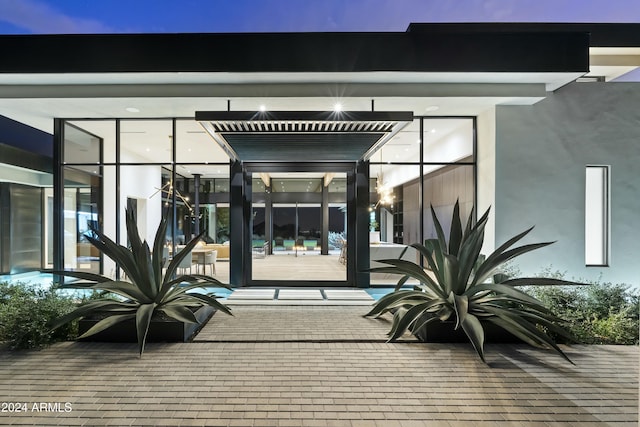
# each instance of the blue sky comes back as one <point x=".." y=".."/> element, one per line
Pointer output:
<point x="163" y="16"/>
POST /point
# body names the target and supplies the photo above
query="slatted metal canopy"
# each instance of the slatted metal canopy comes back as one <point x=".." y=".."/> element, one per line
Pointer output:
<point x="302" y="136"/>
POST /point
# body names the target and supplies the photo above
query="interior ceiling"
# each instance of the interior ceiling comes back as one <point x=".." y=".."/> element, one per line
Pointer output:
<point x="286" y="136"/>
<point x="39" y="113"/>
<point x="196" y="146"/>
<point x="149" y="141"/>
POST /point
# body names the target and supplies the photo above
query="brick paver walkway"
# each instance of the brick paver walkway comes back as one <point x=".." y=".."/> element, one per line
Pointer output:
<point x="344" y="383"/>
<point x="295" y="323"/>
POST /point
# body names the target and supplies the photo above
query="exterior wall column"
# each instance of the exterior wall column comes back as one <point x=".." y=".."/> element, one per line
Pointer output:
<point x="58" y="196"/>
<point x="236" y="226"/>
<point x="268" y="218"/>
<point x="324" y="237"/>
<point x="363" y="277"/>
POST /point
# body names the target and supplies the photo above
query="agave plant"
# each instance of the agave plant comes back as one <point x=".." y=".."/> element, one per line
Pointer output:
<point x="468" y="288"/>
<point x="148" y="292"/>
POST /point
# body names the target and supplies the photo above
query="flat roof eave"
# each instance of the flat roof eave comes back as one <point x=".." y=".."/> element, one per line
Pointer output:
<point x="297" y="52"/>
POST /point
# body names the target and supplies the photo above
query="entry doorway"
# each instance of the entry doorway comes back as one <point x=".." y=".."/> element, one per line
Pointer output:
<point x="299" y="226"/>
<point x="303" y="224"/>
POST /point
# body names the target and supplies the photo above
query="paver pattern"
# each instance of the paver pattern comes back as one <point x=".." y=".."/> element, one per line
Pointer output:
<point x="296" y="323"/>
<point x="345" y="383"/>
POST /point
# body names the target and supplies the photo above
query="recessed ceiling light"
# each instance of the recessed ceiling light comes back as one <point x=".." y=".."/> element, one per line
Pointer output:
<point x="432" y="108"/>
<point x="433" y="131"/>
<point x="337" y="107"/>
<point x="148" y="149"/>
<point x="132" y="109"/>
<point x="263" y="108"/>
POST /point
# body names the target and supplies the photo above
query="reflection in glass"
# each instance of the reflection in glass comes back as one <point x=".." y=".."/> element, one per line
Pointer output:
<point x="146" y="141"/>
<point x="284" y="222"/>
<point x="81" y="211"/>
<point x="448" y="140"/>
<point x="80" y="146"/>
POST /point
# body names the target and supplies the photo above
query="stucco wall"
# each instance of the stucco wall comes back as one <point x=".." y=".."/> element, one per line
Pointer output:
<point x="541" y="154"/>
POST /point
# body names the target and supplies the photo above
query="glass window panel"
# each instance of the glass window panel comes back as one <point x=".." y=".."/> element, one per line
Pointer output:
<point x="257" y="185"/>
<point x="403" y="147"/>
<point x="80" y="146"/>
<point x="143" y="188"/>
<point x="442" y="187"/>
<point x="258" y="222"/>
<point x="108" y="220"/>
<point x="309" y="222"/>
<point x="597" y="215"/>
<point x="391" y="176"/>
<point x="194" y="145"/>
<point x="82" y="196"/>
<point x="338" y="218"/>
<point x="338" y="185"/>
<point x="222" y="185"/>
<point x="284" y="222"/>
<point x="103" y="129"/>
<point x="222" y="223"/>
<point x="146" y="141"/>
<point x="448" y="140"/>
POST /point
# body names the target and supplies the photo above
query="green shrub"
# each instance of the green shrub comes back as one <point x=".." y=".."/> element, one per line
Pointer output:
<point x="25" y="311"/>
<point x="599" y="313"/>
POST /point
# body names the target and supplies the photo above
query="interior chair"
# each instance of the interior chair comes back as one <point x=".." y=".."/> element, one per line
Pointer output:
<point x="343" y="252"/>
<point x="278" y="244"/>
<point x="210" y="259"/>
<point x="187" y="262"/>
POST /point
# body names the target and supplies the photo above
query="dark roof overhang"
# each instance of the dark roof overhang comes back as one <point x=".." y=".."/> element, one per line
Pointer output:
<point x="454" y="50"/>
<point x="601" y="34"/>
<point x="302" y="136"/>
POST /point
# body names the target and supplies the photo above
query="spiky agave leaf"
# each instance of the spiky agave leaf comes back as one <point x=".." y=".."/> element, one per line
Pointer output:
<point x="474" y="330"/>
<point x="92" y="307"/>
<point x="461" y="288"/>
<point x="148" y="291"/>
<point x="173" y="266"/>
<point x="455" y="234"/>
<point x="121" y="255"/>
<point x="143" y="320"/>
<point x="158" y="251"/>
<point x="383" y="304"/>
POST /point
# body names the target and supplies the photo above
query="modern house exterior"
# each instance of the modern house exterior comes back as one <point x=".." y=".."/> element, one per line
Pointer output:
<point x="265" y="139"/>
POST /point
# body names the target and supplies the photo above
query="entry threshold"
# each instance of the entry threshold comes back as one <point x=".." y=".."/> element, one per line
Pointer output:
<point x="271" y="296"/>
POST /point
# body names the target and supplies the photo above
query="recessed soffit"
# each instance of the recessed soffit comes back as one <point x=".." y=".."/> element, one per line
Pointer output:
<point x="294" y="136"/>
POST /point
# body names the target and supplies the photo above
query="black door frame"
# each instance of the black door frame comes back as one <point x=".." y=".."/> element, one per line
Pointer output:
<point x="357" y="221"/>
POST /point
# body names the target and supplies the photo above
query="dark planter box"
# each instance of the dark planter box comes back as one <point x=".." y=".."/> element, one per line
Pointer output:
<point x="160" y="330"/>
<point x="445" y="332"/>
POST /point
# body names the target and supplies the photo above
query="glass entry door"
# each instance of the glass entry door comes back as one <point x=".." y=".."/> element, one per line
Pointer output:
<point x="299" y="227"/>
